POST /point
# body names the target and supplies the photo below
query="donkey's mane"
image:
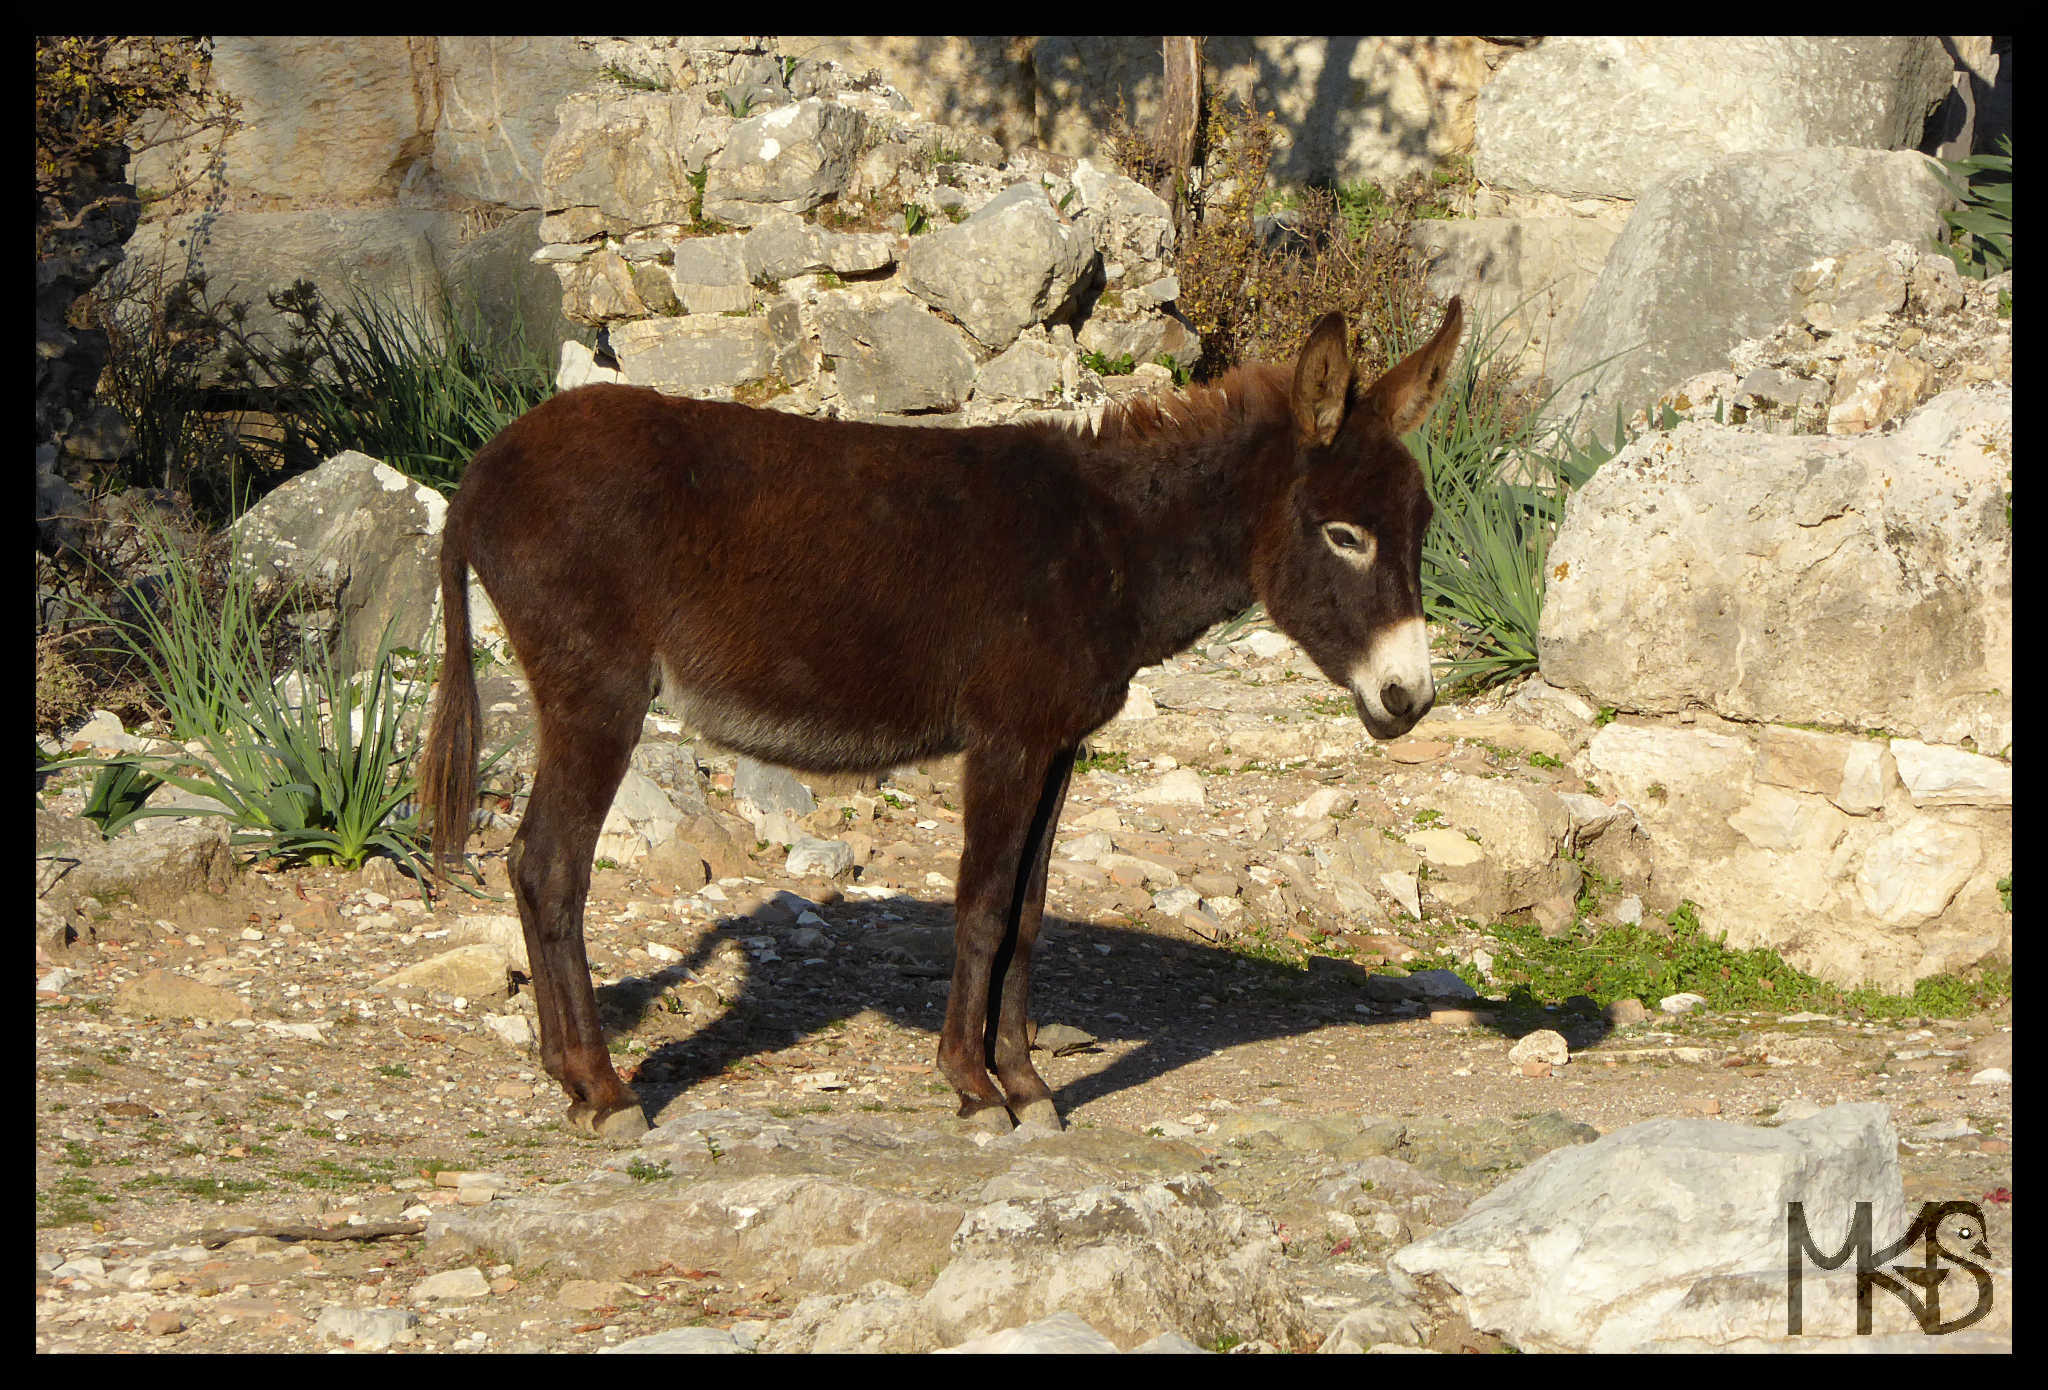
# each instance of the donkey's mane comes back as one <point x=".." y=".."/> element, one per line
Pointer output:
<point x="1245" y="395"/>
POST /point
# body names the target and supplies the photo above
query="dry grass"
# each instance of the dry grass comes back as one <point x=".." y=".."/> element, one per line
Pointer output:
<point x="1253" y="298"/>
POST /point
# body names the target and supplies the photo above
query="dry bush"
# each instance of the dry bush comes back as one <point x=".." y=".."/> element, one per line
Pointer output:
<point x="1253" y="298"/>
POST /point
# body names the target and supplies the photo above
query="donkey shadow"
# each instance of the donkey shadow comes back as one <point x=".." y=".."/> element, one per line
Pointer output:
<point x="1118" y="983"/>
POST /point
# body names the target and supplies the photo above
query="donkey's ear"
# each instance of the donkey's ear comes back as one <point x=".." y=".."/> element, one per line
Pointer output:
<point x="1322" y="382"/>
<point x="1404" y="396"/>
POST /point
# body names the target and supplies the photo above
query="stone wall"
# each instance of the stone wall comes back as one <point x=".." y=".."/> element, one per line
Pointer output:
<point x="836" y="252"/>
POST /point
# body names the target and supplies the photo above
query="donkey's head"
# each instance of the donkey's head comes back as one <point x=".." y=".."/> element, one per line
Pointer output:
<point x="1338" y="559"/>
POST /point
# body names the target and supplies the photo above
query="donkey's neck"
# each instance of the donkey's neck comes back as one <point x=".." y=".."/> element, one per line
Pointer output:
<point x="1193" y="472"/>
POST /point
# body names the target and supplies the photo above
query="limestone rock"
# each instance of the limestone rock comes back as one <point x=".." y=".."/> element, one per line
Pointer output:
<point x="784" y="244"/>
<point x="891" y="354"/>
<point x="1707" y="257"/>
<point x="1693" y="561"/>
<point x="353" y="141"/>
<point x="498" y="95"/>
<point x="385" y="255"/>
<point x="1646" y="108"/>
<point x="363" y="531"/>
<point x="789" y="159"/>
<point x="1646" y="1233"/>
<point x="1010" y="265"/>
<point x="706" y="354"/>
<point x="629" y="156"/>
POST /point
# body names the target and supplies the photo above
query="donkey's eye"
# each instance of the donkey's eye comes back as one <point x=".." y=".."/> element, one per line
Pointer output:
<point x="1348" y="541"/>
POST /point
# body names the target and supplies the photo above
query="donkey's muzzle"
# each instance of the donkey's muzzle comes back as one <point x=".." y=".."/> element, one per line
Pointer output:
<point x="1397" y="709"/>
<point x="1393" y="687"/>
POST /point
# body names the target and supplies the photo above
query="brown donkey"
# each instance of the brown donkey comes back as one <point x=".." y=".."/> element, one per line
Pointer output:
<point x="837" y="596"/>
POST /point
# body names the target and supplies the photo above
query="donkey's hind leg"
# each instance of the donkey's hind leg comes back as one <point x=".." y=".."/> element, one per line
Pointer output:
<point x="583" y="757"/>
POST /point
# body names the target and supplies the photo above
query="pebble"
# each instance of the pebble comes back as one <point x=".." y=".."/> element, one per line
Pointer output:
<point x="452" y="1284"/>
<point x="1624" y="1012"/>
<point x="681" y="1341"/>
<point x="1681" y="1003"/>
<point x="367" y="1329"/>
<point x="1543" y="1045"/>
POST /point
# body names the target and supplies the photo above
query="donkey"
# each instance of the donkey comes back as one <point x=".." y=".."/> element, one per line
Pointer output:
<point x="837" y="596"/>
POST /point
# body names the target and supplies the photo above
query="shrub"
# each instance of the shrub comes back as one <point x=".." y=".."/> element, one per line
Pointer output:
<point x="161" y="337"/>
<point x="93" y="90"/>
<point x="310" y="765"/>
<point x="420" y="391"/>
<point x="1980" y="240"/>
<point x="1253" y="296"/>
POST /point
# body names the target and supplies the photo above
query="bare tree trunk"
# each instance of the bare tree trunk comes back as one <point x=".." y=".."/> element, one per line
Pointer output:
<point x="1180" y="123"/>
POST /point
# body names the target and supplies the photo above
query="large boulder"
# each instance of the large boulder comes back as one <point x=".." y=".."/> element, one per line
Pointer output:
<point x="363" y="531"/>
<point x="1014" y="263"/>
<point x="1670" y="1230"/>
<point x="1861" y="582"/>
<point x="1707" y="257"/>
<point x="1644" y="108"/>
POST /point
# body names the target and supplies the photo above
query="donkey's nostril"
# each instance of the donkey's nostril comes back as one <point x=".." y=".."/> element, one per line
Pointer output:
<point x="1395" y="699"/>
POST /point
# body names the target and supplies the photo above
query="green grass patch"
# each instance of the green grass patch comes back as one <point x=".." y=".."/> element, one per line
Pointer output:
<point x="1103" y="762"/>
<point x="1638" y="962"/>
<point x="211" y="1189"/>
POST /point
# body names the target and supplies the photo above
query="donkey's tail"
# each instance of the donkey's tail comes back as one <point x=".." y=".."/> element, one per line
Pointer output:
<point x="448" y="766"/>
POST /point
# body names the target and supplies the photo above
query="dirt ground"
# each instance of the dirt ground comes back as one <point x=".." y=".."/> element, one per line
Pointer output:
<point x="148" y="1132"/>
<point x="333" y="1100"/>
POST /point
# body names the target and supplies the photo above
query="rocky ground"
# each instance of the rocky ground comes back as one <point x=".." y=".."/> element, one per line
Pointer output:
<point x="255" y="1059"/>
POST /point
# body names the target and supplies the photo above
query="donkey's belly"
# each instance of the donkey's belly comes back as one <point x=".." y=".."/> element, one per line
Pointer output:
<point x="817" y="739"/>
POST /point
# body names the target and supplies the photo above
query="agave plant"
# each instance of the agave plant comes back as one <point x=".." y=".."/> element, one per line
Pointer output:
<point x="1499" y="477"/>
<point x="320" y="777"/>
<point x="1981" y="229"/>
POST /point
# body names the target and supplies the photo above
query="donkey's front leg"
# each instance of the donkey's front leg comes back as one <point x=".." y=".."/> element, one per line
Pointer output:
<point x="1003" y="787"/>
<point x="1030" y="1099"/>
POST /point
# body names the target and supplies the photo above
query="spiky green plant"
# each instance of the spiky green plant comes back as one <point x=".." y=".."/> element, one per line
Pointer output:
<point x="1980" y="241"/>
<point x="420" y="391"/>
<point x="320" y="777"/>
<point x="1499" y="472"/>
<point x="118" y="796"/>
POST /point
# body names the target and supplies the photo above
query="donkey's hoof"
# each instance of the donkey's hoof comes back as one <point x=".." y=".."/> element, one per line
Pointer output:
<point x="627" y="1122"/>
<point x="989" y="1119"/>
<point x="1040" y="1115"/>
